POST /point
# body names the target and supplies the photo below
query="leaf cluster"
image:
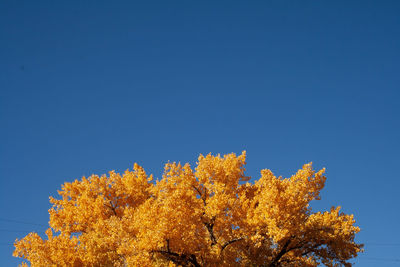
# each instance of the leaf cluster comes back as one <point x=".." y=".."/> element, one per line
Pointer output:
<point x="207" y="216"/>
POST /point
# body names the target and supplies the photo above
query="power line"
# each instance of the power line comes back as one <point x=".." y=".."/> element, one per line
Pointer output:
<point x="6" y="245"/>
<point x="13" y="230"/>
<point x="42" y="225"/>
<point x="379" y="259"/>
<point x="383" y="244"/>
<point x="22" y="222"/>
<point x="359" y="258"/>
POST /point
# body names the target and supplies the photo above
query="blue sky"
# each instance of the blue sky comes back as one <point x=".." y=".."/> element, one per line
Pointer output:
<point x="89" y="87"/>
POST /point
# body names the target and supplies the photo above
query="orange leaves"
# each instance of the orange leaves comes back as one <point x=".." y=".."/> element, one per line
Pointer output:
<point x="55" y="251"/>
<point x="172" y="216"/>
<point x="228" y="170"/>
<point x="201" y="217"/>
<point x="281" y="206"/>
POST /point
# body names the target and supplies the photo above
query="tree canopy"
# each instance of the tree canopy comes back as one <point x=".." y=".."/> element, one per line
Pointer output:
<point x="208" y="216"/>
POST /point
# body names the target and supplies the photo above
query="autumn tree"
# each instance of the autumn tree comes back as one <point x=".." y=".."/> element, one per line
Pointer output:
<point x="209" y="216"/>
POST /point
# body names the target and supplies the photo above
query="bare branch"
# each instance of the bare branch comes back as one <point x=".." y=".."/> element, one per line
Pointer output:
<point x="203" y="197"/>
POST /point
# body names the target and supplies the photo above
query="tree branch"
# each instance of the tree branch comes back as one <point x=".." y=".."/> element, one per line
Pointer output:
<point x="281" y="253"/>
<point x="201" y="195"/>
<point x="168" y="246"/>
<point x="230" y="242"/>
<point x="111" y="206"/>
<point x="193" y="260"/>
<point x="180" y="259"/>
<point x="311" y="249"/>
<point x="210" y="228"/>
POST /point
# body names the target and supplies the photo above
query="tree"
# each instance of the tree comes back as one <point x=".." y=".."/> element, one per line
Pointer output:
<point x="210" y="216"/>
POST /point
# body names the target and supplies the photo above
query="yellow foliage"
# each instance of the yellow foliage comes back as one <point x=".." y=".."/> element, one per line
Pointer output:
<point x="209" y="216"/>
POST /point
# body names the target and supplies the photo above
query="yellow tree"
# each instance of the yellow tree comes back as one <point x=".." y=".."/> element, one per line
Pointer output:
<point x="207" y="216"/>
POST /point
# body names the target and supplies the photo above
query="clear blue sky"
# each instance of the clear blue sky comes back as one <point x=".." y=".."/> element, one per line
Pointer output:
<point x="92" y="86"/>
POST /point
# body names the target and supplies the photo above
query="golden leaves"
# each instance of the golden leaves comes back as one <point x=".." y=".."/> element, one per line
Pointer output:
<point x="203" y="217"/>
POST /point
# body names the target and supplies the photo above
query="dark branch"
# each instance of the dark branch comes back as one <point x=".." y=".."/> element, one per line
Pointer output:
<point x="208" y="225"/>
<point x="193" y="260"/>
<point x="201" y="195"/>
<point x="111" y="206"/>
<point x="168" y="246"/>
<point x="210" y="228"/>
<point x="180" y="259"/>
<point x="280" y="254"/>
<point x="230" y="242"/>
<point x="310" y="250"/>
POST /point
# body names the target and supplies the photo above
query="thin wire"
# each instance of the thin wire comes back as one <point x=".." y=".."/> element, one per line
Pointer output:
<point x="378" y="259"/>
<point x="6" y="244"/>
<point x="360" y="258"/>
<point x="22" y="222"/>
<point x="14" y="230"/>
<point x="383" y="244"/>
<point x="42" y="225"/>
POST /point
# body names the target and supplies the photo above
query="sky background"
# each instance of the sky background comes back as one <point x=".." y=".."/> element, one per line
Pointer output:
<point x="92" y="86"/>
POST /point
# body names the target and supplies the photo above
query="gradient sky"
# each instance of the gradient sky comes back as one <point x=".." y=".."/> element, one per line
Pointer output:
<point x="92" y="86"/>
